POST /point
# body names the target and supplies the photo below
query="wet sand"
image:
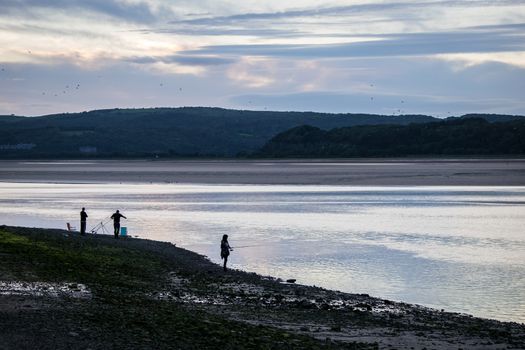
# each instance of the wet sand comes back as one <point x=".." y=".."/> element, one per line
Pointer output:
<point x="364" y="172"/>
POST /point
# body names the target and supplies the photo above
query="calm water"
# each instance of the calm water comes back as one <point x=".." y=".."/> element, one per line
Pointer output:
<point x="457" y="248"/>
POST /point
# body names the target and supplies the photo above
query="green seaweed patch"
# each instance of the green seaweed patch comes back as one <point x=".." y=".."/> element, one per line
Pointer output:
<point x="97" y="265"/>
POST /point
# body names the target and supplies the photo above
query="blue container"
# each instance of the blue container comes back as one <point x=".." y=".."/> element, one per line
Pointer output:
<point x="124" y="231"/>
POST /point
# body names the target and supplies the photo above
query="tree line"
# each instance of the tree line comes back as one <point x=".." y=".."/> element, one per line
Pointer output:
<point x="204" y="132"/>
<point x="456" y="136"/>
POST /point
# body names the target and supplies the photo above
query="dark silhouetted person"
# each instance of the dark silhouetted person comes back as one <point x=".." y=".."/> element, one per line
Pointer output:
<point x="83" y="219"/>
<point x="225" y="250"/>
<point x="116" y="222"/>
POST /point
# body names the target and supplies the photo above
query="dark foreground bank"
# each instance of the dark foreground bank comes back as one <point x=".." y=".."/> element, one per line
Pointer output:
<point x="61" y="291"/>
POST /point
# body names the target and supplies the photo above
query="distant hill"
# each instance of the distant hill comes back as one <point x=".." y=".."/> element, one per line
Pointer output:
<point x="494" y="118"/>
<point x="163" y="131"/>
<point x="9" y="118"/>
<point x="189" y="131"/>
<point x="456" y="136"/>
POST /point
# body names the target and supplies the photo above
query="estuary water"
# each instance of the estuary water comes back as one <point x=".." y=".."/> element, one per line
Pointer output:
<point x="457" y="248"/>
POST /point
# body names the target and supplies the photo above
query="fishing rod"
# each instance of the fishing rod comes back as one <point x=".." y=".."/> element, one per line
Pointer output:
<point x="101" y="226"/>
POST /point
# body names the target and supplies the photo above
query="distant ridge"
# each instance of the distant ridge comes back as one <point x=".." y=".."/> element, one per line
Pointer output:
<point x="174" y="132"/>
<point x="454" y="136"/>
<point x="494" y="118"/>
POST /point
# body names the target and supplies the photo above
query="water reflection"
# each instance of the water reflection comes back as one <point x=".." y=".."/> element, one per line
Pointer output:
<point x="458" y="248"/>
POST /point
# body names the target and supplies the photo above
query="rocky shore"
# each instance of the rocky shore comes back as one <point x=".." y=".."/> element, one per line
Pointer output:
<point x="60" y="290"/>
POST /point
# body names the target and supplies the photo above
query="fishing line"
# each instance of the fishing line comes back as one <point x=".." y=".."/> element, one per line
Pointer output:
<point x="249" y="246"/>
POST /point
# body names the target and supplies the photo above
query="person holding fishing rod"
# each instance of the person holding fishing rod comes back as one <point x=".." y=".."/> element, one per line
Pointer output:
<point x="116" y="222"/>
<point x="225" y="250"/>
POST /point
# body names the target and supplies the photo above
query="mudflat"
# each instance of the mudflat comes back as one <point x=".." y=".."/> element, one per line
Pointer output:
<point x="366" y="172"/>
<point x="60" y="290"/>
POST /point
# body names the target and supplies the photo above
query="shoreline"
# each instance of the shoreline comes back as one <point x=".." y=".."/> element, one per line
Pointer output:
<point x="355" y="172"/>
<point x="191" y="282"/>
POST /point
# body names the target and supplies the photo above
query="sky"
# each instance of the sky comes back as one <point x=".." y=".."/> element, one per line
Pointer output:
<point x="435" y="57"/>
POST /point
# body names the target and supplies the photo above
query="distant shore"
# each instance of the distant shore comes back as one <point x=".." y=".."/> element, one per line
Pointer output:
<point x="357" y="172"/>
<point x="136" y="293"/>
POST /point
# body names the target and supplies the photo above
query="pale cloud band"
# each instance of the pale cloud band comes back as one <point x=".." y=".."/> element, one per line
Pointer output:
<point x="410" y="44"/>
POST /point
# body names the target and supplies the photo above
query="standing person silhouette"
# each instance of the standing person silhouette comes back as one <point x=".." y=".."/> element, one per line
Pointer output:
<point x="116" y="222"/>
<point x="83" y="218"/>
<point x="225" y="250"/>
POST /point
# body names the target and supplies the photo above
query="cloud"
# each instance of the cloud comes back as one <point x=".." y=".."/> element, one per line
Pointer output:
<point x="252" y="72"/>
<point x="428" y="86"/>
<point x="344" y="11"/>
<point x="62" y="31"/>
<point x="137" y="11"/>
<point x="210" y="31"/>
<point x="410" y="44"/>
<point x="272" y="53"/>
<point x="201" y="60"/>
<point x="461" y="61"/>
<point x="408" y="86"/>
<point x="516" y="27"/>
<point x="182" y="59"/>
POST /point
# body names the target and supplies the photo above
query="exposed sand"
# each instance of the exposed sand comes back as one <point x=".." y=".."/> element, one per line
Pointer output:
<point x="385" y="172"/>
